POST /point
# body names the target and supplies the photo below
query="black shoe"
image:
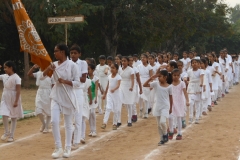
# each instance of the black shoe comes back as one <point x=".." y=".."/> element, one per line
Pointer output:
<point x="119" y="124"/>
<point x="161" y="143"/>
<point x="149" y="110"/>
<point x="129" y="124"/>
<point x="134" y="118"/>
<point x="165" y="138"/>
<point x="215" y="103"/>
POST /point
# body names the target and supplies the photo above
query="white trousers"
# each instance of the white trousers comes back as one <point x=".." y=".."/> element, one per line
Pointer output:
<point x="179" y="124"/>
<point x="68" y="123"/>
<point x="83" y="130"/>
<point x="193" y="102"/>
<point x="92" y="120"/>
<point x="106" y="117"/>
<point x="144" y="105"/>
<point x="134" y="109"/>
<point x="162" y="126"/>
<point x="78" y="118"/>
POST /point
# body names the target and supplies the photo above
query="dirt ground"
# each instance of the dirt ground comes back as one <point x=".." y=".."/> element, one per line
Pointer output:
<point x="216" y="137"/>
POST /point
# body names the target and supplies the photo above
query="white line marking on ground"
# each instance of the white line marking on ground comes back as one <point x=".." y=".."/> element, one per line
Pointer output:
<point x="159" y="149"/>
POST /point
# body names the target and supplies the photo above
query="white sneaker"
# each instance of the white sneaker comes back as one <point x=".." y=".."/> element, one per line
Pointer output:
<point x="4" y="137"/>
<point x="74" y="146"/>
<point x="57" y="152"/>
<point x="196" y="121"/>
<point x="82" y="141"/>
<point x="67" y="152"/>
<point x="45" y="130"/>
<point x="10" y="139"/>
<point x="90" y="134"/>
<point x="94" y="134"/>
<point x="42" y="128"/>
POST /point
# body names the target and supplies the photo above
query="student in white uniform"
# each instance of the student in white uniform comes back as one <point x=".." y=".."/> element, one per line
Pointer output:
<point x="87" y="101"/>
<point x="136" y="61"/>
<point x="75" y="54"/>
<point x="102" y="74"/>
<point x="215" y="76"/>
<point x="224" y="67"/>
<point x="161" y="64"/>
<point x="11" y="106"/>
<point x="145" y="72"/>
<point x="186" y="61"/>
<point x="230" y="71"/>
<point x="137" y="88"/>
<point x="42" y="101"/>
<point x="207" y="87"/>
<point x="236" y="69"/>
<point x="127" y="89"/>
<point x="180" y="101"/>
<point x="66" y="74"/>
<point x="195" y="78"/>
<point x="94" y="91"/>
<point x="113" y="97"/>
<point x="155" y="67"/>
<point x="163" y="105"/>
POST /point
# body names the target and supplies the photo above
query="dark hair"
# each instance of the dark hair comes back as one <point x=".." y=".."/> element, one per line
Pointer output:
<point x="152" y="56"/>
<point x="176" y="53"/>
<point x="63" y="47"/>
<point x="12" y="65"/>
<point x="180" y="62"/>
<point x="92" y="60"/>
<point x="75" y="47"/>
<point x="214" y="56"/>
<point x="197" y="60"/>
<point x="102" y="57"/>
<point x="119" y="56"/>
<point x="160" y="55"/>
<point x="135" y="55"/>
<point x="126" y="58"/>
<point x="175" y="71"/>
<point x="222" y="51"/>
<point x="191" y="52"/>
<point x="145" y="55"/>
<point x="115" y="65"/>
<point x="130" y="57"/>
<point x="173" y="64"/>
<point x="163" y="72"/>
<point x="204" y="61"/>
<point x="185" y="52"/>
<point x="92" y="66"/>
<point x="110" y="58"/>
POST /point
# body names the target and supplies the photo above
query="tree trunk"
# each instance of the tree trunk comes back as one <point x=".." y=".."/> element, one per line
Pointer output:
<point x="26" y="69"/>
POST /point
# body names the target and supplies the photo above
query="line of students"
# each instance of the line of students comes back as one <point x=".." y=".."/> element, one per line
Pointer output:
<point x="159" y="84"/>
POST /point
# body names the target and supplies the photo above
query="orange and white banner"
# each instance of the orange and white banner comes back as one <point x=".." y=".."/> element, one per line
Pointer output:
<point x="30" y="41"/>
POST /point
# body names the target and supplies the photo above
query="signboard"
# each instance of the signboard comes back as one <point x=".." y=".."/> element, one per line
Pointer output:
<point x="67" y="19"/>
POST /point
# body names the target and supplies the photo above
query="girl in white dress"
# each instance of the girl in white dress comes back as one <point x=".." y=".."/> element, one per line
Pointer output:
<point x="102" y="74"/>
<point x="137" y="88"/>
<point x="207" y="87"/>
<point x="186" y="61"/>
<point x="118" y="59"/>
<point x="11" y="106"/>
<point x="65" y="74"/>
<point x="180" y="100"/>
<point x="163" y="105"/>
<point x="145" y="72"/>
<point x="224" y="67"/>
<point x="94" y="90"/>
<point x="195" y="78"/>
<point x="42" y="101"/>
<point x="127" y="89"/>
<point x="113" y="97"/>
<point x="215" y="76"/>
<point x="85" y="114"/>
<point x="155" y="67"/>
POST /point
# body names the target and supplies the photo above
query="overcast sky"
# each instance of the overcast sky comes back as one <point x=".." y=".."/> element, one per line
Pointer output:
<point x="232" y="3"/>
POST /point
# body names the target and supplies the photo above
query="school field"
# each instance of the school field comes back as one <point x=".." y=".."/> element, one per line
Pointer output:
<point x="217" y="137"/>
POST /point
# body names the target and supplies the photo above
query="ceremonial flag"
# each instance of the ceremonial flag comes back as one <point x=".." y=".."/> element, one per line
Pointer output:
<point x="30" y="41"/>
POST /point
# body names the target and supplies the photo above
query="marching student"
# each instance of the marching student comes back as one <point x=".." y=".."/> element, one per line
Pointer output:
<point x="127" y="90"/>
<point x="113" y="97"/>
<point x="180" y="100"/>
<point x="102" y="74"/>
<point x="186" y="61"/>
<point x="163" y="106"/>
<point x="65" y="75"/>
<point x="224" y="68"/>
<point x="94" y="91"/>
<point x="137" y="88"/>
<point x="85" y="115"/>
<point x="136" y="61"/>
<point x="207" y="87"/>
<point x="11" y="106"/>
<point x="195" y="78"/>
<point x="145" y="72"/>
<point x="75" y="54"/>
<point x="118" y="59"/>
<point x="42" y="101"/>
